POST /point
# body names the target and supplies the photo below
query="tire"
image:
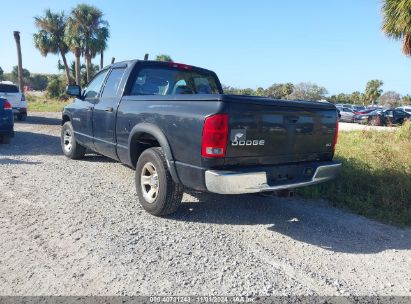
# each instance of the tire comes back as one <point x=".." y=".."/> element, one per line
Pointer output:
<point x="5" y="139"/>
<point x="71" y="148"/>
<point x="375" y="121"/>
<point x="158" y="194"/>
<point x="22" y="116"/>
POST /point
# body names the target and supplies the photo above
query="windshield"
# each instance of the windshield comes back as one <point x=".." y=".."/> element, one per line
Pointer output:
<point x="168" y="81"/>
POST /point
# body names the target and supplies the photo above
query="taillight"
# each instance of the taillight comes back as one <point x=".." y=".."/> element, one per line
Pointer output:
<point x="215" y="133"/>
<point x="335" y="135"/>
<point x="180" y="66"/>
<point x="23" y="98"/>
<point x="7" y="105"/>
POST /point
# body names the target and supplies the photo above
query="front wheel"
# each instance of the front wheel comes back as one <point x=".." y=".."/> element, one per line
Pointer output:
<point x="157" y="193"/>
<point x="71" y="148"/>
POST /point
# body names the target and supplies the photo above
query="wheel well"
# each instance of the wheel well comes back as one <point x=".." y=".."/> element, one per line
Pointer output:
<point x="139" y="143"/>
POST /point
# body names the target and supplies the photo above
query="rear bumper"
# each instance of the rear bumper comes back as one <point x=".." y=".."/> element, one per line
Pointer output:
<point x="235" y="182"/>
<point x="19" y="110"/>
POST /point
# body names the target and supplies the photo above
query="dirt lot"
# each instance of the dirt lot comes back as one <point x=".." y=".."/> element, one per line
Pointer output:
<point x="75" y="228"/>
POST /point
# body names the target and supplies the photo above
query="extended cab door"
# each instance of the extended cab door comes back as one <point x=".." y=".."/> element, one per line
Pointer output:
<point x="104" y="114"/>
<point x="82" y="117"/>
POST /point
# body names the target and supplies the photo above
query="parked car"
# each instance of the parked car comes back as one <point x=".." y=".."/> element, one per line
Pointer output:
<point x="6" y="121"/>
<point x="17" y="99"/>
<point x="405" y="108"/>
<point x="364" y="111"/>
<point x="347" y="115"/>
<point x="383" y="117"/>
<point x="354" y="108"/>
<point x="173" y="124"/>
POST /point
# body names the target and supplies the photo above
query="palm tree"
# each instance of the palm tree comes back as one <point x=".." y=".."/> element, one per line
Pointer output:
<point x="397" y="22"/>
<point x="87" y="24"/>
<point x="50" y="37"/>
<point x="99" y="44"/>
<point x="164" y="57"/>
<point x="74" y="43"/>
<point x="16" y="35"/>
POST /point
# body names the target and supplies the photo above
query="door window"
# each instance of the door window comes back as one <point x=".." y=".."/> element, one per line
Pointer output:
<point x="113" y="83"/>
<point x="94" y="87"/>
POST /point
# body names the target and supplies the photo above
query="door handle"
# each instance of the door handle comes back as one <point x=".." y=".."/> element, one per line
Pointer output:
<point x="108" y="110"/>
<point x="89" y="108"/>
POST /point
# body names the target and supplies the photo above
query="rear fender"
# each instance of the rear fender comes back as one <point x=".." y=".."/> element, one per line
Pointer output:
<point x="158" y="134"/>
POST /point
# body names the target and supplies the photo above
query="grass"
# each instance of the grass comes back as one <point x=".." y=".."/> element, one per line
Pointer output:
<point x="42" y="103"/>
<point x="376" y="176"/>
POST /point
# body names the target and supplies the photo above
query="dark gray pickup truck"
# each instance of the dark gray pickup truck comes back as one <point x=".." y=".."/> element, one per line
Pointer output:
<point x="175" y="126"/>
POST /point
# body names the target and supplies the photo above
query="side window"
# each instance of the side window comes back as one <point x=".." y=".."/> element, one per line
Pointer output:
<point x="94" y="87"/>
<point x="113" y="83"/>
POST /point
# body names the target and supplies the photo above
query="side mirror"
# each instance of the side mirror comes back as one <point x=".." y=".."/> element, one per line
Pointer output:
<point x="73" y="90"/>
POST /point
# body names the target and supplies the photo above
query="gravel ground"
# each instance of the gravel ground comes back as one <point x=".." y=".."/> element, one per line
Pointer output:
<point x="75" y="228"/>
<point x="347" y="126"/>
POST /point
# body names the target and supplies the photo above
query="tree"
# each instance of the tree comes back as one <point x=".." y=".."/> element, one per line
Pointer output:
<point x="55" y="87"/>
<point x="1" y="74"/>
<point x="38" y="82"/>
<point x="75" y="45"/>
<point x="308" y="91"/>
<point x="50" y="37"/>
<point x="100" y="44"/>
<point x="390" y="99"/>
<point x="279" y="90"/>
<point x="25" y="75"/>
<point x="406" y="100"/>
<point x="397" y="22"/>
<point x="163" y="57"/>
<point x="357" y="98"/>
<point x="373" y="90"/>
<point x="260" y="92"/>
<point x="16" y="35"/>
<point x="86" y="23"/>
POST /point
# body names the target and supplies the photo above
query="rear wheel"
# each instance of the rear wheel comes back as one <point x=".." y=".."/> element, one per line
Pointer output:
<point x="375" y="121"/>
<point x="157" y="193"/>
<point x="71" y="148"/>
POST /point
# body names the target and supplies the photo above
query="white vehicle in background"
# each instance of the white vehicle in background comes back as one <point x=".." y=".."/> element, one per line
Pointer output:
<point x="18" y="102"/>
<point x="405" y="108"/>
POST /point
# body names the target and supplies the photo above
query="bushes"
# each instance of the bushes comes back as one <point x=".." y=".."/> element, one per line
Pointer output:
<point x="376" y="176"/>
<point x="404" y="132"/>
<point x="56" y="87"/>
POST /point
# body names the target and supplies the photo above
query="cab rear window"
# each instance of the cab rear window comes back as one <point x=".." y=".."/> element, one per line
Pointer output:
<point x="8" y="88"/>
<point x="168" y="81"/>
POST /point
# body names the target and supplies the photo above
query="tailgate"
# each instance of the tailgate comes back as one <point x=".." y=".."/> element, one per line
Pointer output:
<point x="11" y="93"/>
<point x="13" y="98"/>
<point x="264" y="131"/>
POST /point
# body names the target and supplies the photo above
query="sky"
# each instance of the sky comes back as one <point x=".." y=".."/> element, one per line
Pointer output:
<point x="335" y="44"/>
